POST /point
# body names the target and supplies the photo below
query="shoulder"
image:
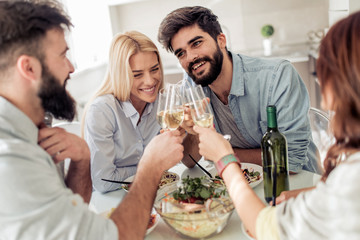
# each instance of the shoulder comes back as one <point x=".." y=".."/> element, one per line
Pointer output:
<point x="256" y="64"/>
<point x="347" y="172"/>
<point x="104" y="103"/>
<point x="107" y="99"/>
<point x="105" y="107"/>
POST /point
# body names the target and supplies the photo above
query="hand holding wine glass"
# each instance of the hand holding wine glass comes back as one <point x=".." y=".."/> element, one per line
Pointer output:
<point x="212" y="145"/>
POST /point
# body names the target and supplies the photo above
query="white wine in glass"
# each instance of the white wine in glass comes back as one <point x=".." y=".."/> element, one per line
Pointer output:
<point x="174" y="118"/>
<point x="173" y="110"/>
<point x="160" y="118"/>
<point x="200" y="107"/>
<point x="205" y="120"/>
<point x="161" y="109"/>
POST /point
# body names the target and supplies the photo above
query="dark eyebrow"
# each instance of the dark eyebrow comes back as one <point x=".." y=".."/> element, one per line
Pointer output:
<point x="189" y="42"/>
<point x="64" y="52"/>
<point x="138" y="71"/>
<point x="156" y="65"/>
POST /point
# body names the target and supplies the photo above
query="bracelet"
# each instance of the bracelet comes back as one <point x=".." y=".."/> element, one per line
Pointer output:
<point x="224" y="162"/>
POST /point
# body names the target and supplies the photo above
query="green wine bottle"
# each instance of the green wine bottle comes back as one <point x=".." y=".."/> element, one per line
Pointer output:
<point x="274" y="154"/>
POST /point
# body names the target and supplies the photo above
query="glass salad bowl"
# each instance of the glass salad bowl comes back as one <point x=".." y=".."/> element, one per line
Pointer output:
<point x="196" y="212"/>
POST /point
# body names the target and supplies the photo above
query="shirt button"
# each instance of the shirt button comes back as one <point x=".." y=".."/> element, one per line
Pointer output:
<point x="139" y="141"/>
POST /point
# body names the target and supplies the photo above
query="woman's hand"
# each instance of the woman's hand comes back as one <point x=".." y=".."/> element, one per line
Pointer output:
<point x="286" y="195"/>
<point x="212" y="146"/>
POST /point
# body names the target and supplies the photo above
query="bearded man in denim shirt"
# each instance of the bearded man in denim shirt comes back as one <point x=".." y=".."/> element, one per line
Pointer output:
<point x="240" y="88"/>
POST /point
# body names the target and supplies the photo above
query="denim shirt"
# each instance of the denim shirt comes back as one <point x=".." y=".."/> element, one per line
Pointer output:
<point x="257" y="83"/>
<point x="115" y="139"/>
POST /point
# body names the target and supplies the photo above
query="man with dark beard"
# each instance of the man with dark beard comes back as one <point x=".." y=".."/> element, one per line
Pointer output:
<point x="50" y="93"/>
<point x="36" y="203"/>
<point x="240" y="88"/>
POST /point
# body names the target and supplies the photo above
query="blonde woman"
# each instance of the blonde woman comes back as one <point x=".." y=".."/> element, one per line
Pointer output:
<point x="119" y="121"/>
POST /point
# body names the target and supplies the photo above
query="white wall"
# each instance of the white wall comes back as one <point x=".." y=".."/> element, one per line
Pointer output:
<point x="243" y="19"/>
<point x="83" y="85"/>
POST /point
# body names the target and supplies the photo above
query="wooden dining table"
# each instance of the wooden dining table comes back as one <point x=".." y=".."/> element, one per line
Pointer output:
<point x="103" y="202"/>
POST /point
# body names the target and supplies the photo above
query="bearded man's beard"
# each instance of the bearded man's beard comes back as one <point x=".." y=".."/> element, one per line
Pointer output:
<point x="215" y="68"/>
<point x="54" y="97"/>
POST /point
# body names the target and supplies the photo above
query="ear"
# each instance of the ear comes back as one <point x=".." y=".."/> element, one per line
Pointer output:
<point x="221" y="39"/>
<point x="29" y="67"/>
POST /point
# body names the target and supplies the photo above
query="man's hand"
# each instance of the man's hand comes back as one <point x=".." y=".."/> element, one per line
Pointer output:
<point x="61" y="144"/>
<point x="163" y="151"/>
<point x="188" y="123"/>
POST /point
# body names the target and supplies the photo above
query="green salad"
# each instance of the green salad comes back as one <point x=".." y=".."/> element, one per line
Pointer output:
<point x="197" y="190"/>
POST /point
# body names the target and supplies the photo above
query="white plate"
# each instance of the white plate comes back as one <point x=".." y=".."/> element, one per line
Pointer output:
<point x="129" y="179"/>
<point x="107" y="214"/>
<point x="197" y="172"/>
<point x="256" y="168"/>
<point x="157" y="219"/>
<point x="175" y="180"/>
<point x="245" y="232"/>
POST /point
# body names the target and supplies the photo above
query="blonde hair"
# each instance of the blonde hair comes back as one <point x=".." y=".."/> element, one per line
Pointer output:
<point x="119" y="77"/>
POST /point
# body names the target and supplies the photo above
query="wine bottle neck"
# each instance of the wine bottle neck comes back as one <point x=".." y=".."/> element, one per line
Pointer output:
<point x="272" y="129"/>
<point x="271" y="117"/>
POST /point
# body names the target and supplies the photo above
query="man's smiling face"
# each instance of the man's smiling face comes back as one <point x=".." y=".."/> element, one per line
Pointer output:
<point x="198" y="53"/>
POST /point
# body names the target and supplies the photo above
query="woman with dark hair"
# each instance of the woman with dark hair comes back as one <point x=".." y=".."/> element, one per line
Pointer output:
<point x="331" y="210"/>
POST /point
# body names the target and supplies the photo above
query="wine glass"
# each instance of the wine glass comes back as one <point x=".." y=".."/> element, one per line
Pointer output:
<point x="199" y="104"/>
<point x="184" y="86"/>
<point x="172" y="113"/>
<point x="161" y="108"/>
<point x="201" y="112"/>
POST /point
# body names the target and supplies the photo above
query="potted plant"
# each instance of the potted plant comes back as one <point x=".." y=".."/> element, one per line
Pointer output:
<point x="267" y="31"/>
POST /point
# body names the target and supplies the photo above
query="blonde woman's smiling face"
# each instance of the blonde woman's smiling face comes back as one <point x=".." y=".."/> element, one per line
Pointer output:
<point x="146" y="79"/>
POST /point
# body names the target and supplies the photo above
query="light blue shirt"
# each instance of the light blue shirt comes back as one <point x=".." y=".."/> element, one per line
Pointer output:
<point x="35" y="203"/>
<point x="257" y="83"/>
<point x="115" y="139"/>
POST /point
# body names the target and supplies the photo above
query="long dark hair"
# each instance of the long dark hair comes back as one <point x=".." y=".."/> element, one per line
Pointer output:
<point x="338" y="69"/>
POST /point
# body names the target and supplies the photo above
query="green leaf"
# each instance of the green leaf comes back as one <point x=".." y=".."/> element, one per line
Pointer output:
<point x="205" y="194"/>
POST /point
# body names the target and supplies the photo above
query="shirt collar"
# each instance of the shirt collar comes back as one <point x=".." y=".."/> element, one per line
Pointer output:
<point x="131" y="113"/>
<point x="16" y="122"/>
<point x="237" y="83"/>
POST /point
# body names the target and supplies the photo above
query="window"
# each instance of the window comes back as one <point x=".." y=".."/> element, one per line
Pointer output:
<point x="90" y="38"/>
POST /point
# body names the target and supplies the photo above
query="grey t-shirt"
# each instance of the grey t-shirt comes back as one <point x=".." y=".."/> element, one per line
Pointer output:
<point x="226" y="123"/>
